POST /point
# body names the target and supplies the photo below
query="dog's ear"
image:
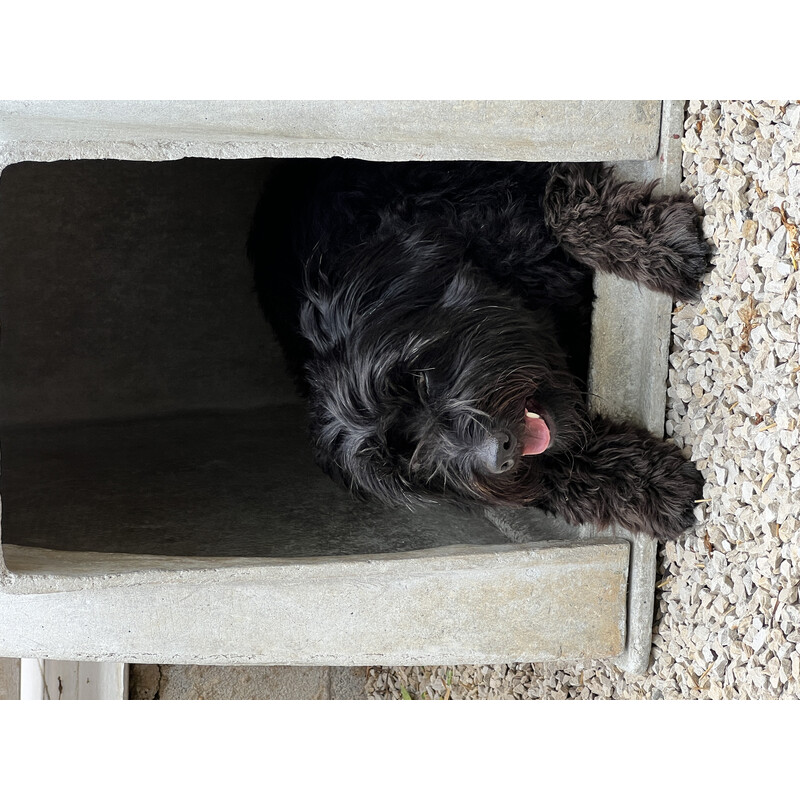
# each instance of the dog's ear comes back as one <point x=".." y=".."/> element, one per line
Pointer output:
<point x="328" y="313"/>
<point x="318" y="325"/>
<point x="368" y="469"/>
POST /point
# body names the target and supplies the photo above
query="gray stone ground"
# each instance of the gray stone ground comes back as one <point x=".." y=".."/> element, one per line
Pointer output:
<point x="727" y="621"/>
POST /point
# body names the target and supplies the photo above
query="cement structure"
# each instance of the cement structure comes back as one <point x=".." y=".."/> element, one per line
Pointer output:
<point x="149" y="514"/>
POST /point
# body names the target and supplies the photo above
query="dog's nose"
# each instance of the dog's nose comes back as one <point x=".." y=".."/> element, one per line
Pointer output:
<point x="498" y="452"/>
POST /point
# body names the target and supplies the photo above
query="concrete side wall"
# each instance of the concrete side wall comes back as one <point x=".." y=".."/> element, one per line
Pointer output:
<point x="449" y="606"/>
<point x="529" y="130"/>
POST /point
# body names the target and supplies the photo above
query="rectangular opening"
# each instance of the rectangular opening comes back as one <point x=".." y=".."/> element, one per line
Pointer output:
<point x="145" y="407"/>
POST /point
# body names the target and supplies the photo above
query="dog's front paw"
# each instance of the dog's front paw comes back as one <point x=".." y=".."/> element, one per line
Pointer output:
<point x="680" y="242"/>
<point x="625" y="476"/>
<point x="675" y="486"/>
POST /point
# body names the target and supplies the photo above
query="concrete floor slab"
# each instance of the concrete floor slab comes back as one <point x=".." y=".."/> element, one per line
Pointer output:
<point x="9" y="679"/>
<point x="193" y="682"/>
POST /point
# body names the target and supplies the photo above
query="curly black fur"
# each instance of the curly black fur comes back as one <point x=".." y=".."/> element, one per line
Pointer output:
<point x="425" y="307"/>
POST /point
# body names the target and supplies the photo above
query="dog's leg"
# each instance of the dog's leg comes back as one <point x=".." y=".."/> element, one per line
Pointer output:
<point x="624" y="476"/>
<point x="620" y="227"/>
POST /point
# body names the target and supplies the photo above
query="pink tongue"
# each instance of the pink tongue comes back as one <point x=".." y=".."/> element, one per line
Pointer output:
<point x="537" y="436"/>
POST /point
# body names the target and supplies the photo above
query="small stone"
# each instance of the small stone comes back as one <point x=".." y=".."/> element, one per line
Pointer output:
<point x="777" y="244"/>
<point x="700" y="332"/>
<point x="749" y="229"/>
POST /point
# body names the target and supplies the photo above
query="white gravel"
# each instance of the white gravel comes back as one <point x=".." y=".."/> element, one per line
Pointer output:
<point x="727" y="615"/>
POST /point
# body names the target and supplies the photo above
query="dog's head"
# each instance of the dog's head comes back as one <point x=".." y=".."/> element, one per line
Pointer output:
<point x="431" y="384"/>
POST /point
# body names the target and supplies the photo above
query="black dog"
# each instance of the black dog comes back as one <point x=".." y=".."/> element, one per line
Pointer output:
<point x="436" y="316"/>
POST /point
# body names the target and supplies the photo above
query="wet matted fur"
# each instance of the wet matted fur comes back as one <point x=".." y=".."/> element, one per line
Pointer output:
<point x="436" y="316"/>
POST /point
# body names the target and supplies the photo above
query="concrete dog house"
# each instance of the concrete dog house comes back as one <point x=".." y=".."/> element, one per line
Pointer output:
<point x="158" y="502"/>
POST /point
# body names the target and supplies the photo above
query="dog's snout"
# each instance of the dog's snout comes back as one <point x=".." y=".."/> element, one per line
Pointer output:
<point x="498" y="452"/>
